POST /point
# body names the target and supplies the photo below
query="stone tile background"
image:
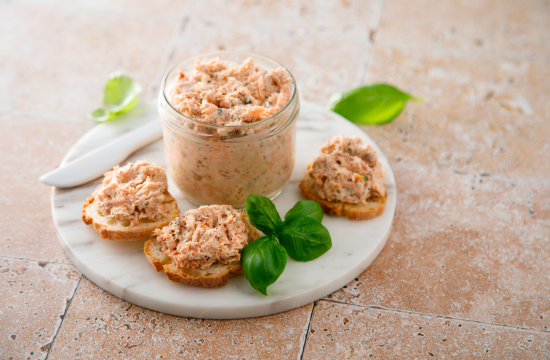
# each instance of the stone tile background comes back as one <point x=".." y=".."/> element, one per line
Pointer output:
<point x="465" y="271"/>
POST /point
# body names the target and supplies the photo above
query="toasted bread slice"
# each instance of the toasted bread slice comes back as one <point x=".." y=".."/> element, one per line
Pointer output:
<point x="113" y="229"/>
<point x="373" y="208"/>
<point x="155" y="254"/>
<point x="215" y="276"/>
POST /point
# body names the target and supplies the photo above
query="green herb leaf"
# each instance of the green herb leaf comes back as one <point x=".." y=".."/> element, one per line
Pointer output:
<point x="263" y="214"/>
<point x="373" y="104"/>
<point x="306" y="208"/>
<point x="99" y="115"/>
<point x="263" y="261"/>
<point x="304" y="238"/>
<point x="119" y="96"/>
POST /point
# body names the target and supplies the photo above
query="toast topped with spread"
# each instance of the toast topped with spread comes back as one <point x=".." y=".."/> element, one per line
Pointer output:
<point x="203" y="247"/>
<point x="347" y="179"/>
<point x="131" y="203"/>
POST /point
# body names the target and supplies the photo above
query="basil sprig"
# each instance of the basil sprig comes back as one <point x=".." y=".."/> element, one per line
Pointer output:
<point x="301" y="235"/>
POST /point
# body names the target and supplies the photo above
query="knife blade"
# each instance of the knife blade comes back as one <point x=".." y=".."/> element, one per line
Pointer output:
<point x="95" y="163"/>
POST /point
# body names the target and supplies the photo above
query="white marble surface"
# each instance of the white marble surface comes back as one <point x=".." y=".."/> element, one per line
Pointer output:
<point x="122" y="269"/>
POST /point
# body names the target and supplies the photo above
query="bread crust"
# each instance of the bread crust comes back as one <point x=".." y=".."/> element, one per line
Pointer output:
<point x="112" y="229"/>
<point x="367" y="211"/>
<point x="208" y="280"/>
<point x="215" y="276"/>
<point x="155" y="255"/>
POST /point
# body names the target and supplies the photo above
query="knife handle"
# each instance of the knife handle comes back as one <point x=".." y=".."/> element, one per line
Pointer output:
<point x="96" y="162"/>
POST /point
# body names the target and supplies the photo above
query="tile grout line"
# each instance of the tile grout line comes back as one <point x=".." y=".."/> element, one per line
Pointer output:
<point x="370" y="41"/>
<point x="438" y="316"/>
<point x="63" y="318"/>
<point x="182" y="24"/>
<point x="36" y="260"/>
<point x="307" y="331"/>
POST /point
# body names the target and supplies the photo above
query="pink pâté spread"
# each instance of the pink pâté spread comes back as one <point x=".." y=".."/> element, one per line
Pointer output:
<point x="217" y="94"/>
<point x="237" y="133"/>
<point x="347" y="171"/>
<point x="214" y="234"/>
<point x="133" y="192"/>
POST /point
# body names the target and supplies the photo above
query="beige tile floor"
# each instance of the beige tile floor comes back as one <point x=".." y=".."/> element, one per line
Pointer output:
<point x="465" y="271"/>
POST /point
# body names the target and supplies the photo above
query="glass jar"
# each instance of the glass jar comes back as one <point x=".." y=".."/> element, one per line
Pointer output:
<point x="215" y="164"/>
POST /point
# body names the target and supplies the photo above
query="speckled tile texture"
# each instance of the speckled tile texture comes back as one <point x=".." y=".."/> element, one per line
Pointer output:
<point x="35" y="296"/>
<point x="55" y="66"/>
<point x="167" y="10"/>
<point x="101" y="325"/>
<point x="466" y="246"/>
<point x="30" y="148"/>
<point x="340" y="331"/>
<point x="478" y="115"/>
<point x="506" y="28"/>
<point x="311" y="29"/>
<point x="465" y="271"/>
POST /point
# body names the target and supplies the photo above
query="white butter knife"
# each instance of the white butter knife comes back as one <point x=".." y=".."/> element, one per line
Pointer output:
<point x="95" y="163"/>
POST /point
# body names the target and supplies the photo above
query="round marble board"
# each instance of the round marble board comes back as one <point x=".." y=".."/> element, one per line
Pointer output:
<point x="122" y="269"/>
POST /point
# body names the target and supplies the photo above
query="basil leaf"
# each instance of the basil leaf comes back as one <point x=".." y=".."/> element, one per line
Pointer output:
<point x="304" y="239"/>
<point x="100" y="115"/>
<point x="306" y="208"/>
<point x="119" y="96"/>
<point x="263" y="261"/>
<point x="263" y="214"/>
<point x="374" y="104"/>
